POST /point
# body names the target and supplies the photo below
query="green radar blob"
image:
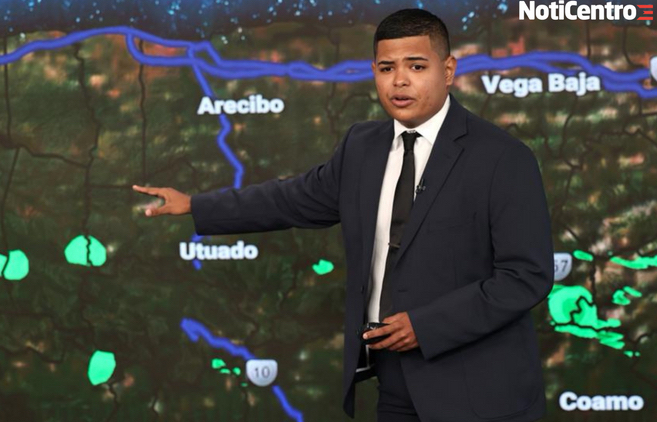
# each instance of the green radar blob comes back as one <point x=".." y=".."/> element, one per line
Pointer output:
<point x="573" y="311"/>
<point x="584" y="256"/>
<point x="17" y="267"/>
<point x="79" y="251"/>
<point x="101" y="367"/>
<point x="640" y="263"/>
<point x="323" y="267"/>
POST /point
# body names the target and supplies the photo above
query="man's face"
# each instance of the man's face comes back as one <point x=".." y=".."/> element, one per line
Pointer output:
<point x="411" y="78"/>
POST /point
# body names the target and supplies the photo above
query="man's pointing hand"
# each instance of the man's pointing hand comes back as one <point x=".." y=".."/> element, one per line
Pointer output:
<point x="175" y="203"/>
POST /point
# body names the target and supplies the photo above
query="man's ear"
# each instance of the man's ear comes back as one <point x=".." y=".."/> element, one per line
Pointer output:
<point x="450" y="69"/>
<point x="373" y="67"/>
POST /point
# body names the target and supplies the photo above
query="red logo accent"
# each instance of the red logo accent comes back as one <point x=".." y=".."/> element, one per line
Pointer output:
<point x="645" y="12"/>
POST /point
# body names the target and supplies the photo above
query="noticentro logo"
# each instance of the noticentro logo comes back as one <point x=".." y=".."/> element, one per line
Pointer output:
<point x="570" y="10"/>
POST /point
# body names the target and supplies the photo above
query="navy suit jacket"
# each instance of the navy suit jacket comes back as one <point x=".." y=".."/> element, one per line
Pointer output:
<point x="476" y="255"/>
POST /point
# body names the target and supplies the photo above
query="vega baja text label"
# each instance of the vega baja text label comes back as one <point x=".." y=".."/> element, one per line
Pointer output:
<point x="556" y="82"/>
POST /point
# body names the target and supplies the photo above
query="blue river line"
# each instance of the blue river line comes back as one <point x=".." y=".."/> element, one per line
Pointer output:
<point x="196" y="330"/>
<point x="346" y="71"/>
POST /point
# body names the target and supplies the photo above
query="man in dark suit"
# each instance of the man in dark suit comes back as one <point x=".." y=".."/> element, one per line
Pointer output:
<point x="447" y="238"/>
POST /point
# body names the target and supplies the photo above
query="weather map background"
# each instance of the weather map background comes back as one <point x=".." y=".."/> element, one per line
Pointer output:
<point x="102" y="319"/>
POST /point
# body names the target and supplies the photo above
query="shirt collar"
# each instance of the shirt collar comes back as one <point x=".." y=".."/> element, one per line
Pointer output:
<point x="427" y="130"/>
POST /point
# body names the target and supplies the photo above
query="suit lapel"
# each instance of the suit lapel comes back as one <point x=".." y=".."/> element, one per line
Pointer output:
<point x="443" y="155"/>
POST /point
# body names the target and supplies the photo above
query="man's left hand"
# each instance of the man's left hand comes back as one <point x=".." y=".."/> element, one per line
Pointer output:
<point x="402" y="336"/>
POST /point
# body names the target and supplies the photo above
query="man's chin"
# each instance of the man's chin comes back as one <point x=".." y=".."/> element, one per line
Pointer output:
<point x="409" y="120"/>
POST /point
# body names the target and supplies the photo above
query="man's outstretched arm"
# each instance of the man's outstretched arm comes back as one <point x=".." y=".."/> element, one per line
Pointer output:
<point x="309" y="200"/>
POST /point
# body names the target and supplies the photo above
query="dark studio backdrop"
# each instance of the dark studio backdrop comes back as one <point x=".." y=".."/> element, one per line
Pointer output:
<point x="106" y="315"/>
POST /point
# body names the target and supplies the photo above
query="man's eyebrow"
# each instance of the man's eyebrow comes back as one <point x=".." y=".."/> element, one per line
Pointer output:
<point x="408" y="59"/>
<point x="415" y="58"/>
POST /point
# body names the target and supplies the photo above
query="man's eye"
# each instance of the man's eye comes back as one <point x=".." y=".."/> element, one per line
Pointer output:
<point x="417" y="67"/>
<point x="384" y="69"/>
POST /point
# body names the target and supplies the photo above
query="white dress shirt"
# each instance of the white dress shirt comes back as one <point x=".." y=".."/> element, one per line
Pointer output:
<point x="423" y="144"/>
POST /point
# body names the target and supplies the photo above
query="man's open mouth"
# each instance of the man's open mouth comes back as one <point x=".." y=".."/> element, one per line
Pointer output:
<point x="401" y="100"/>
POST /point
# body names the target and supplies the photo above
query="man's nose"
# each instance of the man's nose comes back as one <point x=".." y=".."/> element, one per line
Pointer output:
<point x="400" y="79"/>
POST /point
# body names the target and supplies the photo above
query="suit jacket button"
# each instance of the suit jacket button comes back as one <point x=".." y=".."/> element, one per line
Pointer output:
<point x="362" y="289"/>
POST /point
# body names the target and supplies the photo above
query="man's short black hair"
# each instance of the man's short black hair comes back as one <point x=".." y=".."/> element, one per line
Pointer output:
<point x="414" y="22"/>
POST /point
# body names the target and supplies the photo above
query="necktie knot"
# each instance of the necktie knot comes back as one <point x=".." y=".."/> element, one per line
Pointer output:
<point x="409" y="140"/>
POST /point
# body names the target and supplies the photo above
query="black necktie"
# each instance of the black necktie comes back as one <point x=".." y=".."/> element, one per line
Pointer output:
<point x="401" y="209"/>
